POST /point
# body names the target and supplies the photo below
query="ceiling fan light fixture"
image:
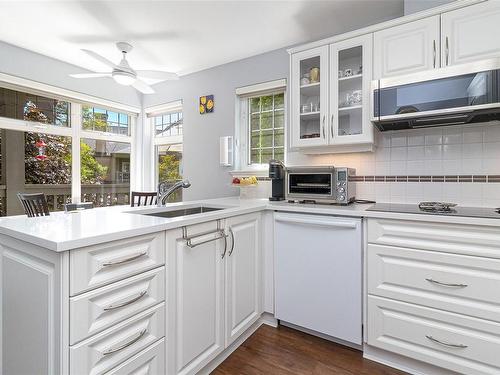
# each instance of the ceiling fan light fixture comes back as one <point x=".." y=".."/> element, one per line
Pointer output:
<point x="124" y="78"/>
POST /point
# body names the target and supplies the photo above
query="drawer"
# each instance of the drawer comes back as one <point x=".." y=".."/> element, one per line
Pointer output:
<point x="459" y="283"/>
<point x="448" y="238"/>
<point x="95" y="266"/>
<point x="150" y="361"/>
<point x="101" y="308"/>
<point x="457" y="342"/>
<point x="107" y="349"/>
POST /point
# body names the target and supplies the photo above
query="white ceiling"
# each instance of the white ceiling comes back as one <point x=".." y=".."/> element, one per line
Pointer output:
<point x="180" y="36"/>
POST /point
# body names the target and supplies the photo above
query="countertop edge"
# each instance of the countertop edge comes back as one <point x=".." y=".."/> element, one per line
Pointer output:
<point x="236" y="207"/>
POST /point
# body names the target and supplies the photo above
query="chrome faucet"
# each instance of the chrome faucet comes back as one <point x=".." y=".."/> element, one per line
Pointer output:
<point x="166" y="189"/>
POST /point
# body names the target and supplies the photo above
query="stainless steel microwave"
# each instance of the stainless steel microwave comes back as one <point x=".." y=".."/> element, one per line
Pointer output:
<point x="321" y="184"/>
<point x="446" y="96"/>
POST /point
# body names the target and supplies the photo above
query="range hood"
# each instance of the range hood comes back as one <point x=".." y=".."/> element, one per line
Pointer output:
<point x="452" y="95"/>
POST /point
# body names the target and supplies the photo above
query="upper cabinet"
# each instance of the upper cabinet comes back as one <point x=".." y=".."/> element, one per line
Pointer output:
<point x="330" y="95"/>
<point x="470" y="33"/>
<point x="350" y="91"/>
<point x="309" y="96"/>
<point x="407" y="48"/>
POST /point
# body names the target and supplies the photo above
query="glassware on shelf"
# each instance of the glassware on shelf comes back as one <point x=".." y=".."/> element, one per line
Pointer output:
<point x="314" y="75"/>
<point x="305" y="80"/>
<point x="304" y="108"/>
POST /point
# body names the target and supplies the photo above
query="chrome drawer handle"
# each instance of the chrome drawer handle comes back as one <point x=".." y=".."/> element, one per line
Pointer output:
<point x="449" y="345"/>
<point x="449" y="285"/>
<point x="126" y="260"/>
<point x="232" y="241"/>
<point x="126" y="345"/>
<point x="126" y="303"/>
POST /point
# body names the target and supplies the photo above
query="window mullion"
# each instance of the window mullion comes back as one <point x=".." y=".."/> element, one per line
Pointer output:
<point x="76" y="127"/>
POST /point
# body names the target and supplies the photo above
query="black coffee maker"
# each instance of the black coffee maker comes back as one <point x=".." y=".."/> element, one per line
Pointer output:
<point x="277" y="175"/>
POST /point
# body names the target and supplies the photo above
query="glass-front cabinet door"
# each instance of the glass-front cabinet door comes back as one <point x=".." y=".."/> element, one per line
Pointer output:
<point x="309" y="98"/>
<point x="349" y="121"/>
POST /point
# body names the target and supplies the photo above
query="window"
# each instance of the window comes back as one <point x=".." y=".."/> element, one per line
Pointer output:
<point x="169" y="159"/>
<point x="105" y="172"/>
<point x="167" y="122"/>
<point x="266" y="128"/>
<point x="29" y="107"/>
<point x="37" y="152"/>
<point x="102" y="120"/>
<point x="260" y="129"/>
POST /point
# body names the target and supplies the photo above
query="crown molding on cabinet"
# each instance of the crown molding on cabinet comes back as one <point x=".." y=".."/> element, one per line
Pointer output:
<point x="387" y="24"/>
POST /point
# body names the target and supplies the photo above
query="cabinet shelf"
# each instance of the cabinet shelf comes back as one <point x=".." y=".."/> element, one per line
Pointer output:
<point x="311" y="89"/>
<point x="350" y="108"/>
<point x="310" y="115"/>
<point x="356" y="76"/>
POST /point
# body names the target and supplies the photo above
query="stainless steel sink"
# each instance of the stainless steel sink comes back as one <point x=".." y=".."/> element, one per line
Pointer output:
<point x="184" y="211"/>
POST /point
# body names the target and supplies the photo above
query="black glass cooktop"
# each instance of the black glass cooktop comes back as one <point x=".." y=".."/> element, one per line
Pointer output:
<point x="483" y="212"/>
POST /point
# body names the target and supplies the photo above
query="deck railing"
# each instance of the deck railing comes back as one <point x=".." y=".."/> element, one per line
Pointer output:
<point x="59" y="194"/>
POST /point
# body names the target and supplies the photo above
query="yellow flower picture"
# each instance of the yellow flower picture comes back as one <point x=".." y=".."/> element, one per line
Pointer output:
<point x="206" y="104"/>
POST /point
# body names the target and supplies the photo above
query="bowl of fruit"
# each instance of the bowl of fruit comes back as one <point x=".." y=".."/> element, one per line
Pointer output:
<point x="245" y="181"/>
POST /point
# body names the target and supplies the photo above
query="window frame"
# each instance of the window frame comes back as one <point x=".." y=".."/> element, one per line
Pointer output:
<point x="74" y="130"/>
<point x="243" y="128"/>
<point x="156" y="141"/>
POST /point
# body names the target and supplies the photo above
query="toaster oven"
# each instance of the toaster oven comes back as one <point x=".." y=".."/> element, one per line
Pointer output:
<point x="321" y="184"/>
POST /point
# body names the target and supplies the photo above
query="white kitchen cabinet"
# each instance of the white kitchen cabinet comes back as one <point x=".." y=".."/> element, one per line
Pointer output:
<point x="196" y="295"/>
<point x="309" y="98"/>
<point x="214" y="289"/>
<point x="470" y="33"/>
<point x="350" y="94"/>
<point x="243" y="275"/>
<point x="51" y="326"/>
<point x="433" y="293"/>
<point x="318" y="274"/>
<point x="407" y="48"/>
<point x="332" y="115"/>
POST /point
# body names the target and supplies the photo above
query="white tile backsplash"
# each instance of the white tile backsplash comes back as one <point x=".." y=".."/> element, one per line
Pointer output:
<point x="472" y="149"/>
<point x="447" y="151"/>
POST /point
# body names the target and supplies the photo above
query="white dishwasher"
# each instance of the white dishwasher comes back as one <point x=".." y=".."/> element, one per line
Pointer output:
<point x="318" y="273"/>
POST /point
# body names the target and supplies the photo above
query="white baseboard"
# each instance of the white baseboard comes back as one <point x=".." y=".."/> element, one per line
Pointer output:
<point x="406" y="364"/>
<point x="322" y="335"/>
<point x="269" y="319"/>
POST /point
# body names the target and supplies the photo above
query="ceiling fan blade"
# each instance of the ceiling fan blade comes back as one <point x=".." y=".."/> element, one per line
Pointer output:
<point x="100" y="58"/>
<point x="90" y="75"/>
<point x="143" y="87"/>
<point x="157" y="74"/>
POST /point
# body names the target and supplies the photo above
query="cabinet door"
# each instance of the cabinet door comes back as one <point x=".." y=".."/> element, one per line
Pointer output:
<point x="407" y="48"/>
<point x="350" y="91"/>
<point x="309" y="97"/>
<point x="196" y="297"/>
<point x="470" y="33"/>
<point x="243" y="275"/>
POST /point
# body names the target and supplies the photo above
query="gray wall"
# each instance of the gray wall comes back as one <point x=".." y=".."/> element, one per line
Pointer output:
<point x="413" y="6"/>
<point x="202" y="132"/>
<point x="31" y="65"/>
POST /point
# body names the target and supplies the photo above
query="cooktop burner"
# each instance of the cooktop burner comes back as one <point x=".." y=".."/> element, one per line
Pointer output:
<point x="437" y="208"/>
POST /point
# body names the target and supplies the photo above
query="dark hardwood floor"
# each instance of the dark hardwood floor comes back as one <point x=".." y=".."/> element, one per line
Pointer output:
<point x="285" y="351"/>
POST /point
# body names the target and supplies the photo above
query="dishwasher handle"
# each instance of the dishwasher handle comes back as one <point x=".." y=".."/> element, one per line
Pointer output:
<point x="318" y="222"/>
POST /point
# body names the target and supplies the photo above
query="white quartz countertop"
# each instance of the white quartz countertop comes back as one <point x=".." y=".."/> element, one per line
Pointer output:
<point x="64" y="231"/>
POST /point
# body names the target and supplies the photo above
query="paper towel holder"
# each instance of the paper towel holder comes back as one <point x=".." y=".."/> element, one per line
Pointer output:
<point x="226" y="151"/>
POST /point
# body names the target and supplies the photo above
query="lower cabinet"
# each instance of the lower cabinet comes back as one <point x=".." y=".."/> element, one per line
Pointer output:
<point x="243" y="275"/>
<point x="433" y="293"/>
<point x="214" y="289"/>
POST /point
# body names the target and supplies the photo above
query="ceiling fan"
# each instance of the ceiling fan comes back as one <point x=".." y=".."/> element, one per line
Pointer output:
<point x="124" y="74"/>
